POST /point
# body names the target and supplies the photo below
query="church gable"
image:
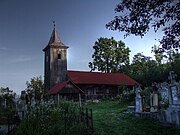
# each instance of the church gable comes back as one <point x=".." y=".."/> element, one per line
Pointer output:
<point x="66" y="87"/>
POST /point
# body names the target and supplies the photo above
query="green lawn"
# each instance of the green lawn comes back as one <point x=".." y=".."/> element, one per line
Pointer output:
<point x="109" y="119"/>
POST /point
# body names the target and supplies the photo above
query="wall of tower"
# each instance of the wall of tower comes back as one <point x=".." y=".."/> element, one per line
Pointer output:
<point x="47" y="69"/>
<point x="58" y="66"/>
<point x="55" y="66"/>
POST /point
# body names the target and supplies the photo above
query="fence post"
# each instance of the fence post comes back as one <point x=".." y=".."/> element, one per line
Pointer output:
<point x="92" y="129"/>
<point x="87" y="119"/>
<point x="80" y="104"/>
<point x="82" y="115"/>
<point x="22" y="112"/>
<point x="65" y="120"/>
<point x="8" y="121"/>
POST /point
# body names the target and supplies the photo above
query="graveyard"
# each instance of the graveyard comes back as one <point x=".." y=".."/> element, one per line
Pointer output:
<point x="158" y="115"/>
<point x="153" y="110"/>
<point x="94" y="82"/>
<point x="110" y="118"/>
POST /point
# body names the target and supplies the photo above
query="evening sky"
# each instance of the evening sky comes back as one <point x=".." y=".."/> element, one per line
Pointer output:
<point x="26" y="26"/>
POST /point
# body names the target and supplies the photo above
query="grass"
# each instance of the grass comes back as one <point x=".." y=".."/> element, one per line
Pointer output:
<point x="109" y="119"/>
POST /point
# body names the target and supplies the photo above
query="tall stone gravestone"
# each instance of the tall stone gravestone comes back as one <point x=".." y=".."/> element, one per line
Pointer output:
<point x="154" y="101"/>
<point x="138" y="100"/>
<point x="173" y="111"/>
<point x="33" y="101"/>
<point x="163" y="90"/>
<point x="21" y="106"/>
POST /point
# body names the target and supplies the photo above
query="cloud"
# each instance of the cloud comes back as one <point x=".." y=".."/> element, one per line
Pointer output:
<point x="21" y="59"/>
<point x="3" y="48"/>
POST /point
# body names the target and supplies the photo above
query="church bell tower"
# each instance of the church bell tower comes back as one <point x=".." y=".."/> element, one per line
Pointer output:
<point x="55" y="61"/>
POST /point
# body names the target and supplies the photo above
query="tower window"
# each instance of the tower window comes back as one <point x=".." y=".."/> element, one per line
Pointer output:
<point x="59" y="56"/>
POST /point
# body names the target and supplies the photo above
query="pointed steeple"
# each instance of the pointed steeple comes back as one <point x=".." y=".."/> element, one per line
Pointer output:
<point x="54" y="36"/>
<point x="55" y="61"/>
<point x="55" y="40"/>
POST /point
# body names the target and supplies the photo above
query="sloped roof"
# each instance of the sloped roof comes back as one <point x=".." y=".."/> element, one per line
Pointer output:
<point x="82" y="77"/>
<point x="55" y="40"/>
<point x="57" y="88"/>
<point x="54" y="37"/>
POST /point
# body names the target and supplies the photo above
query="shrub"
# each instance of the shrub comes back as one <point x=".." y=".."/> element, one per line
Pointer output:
<point x="53" y="119"/>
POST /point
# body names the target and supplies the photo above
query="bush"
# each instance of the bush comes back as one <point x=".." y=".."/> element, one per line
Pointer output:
<point x="53" y="119"/>
<point x="128" y="98"/>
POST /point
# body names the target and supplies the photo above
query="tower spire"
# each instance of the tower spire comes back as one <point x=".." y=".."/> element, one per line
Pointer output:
<point x="54" y="24"/>
<point x="54" y="36"/>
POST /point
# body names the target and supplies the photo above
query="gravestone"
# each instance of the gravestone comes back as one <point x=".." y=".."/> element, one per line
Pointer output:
<point x="173" y="111"/>
<point x="21" y="106"/>
<point x="42" y="99"/>
<point x="33" y="102"/>
<point x="154" y="102"/>
<point x="163" y="91"/>
<point x="138" y="100"/>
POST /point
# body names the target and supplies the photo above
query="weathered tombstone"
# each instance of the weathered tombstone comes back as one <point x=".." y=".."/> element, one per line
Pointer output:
<point x="138" y="100"/>
<point x="42" y="99"/>
<point x="154" y="102"/>
<point x="154" y="99"/>
<point x="21" y="106"/>
<point x="163" y="90"/>
<point x="173" y="111"/>
<point x="33" y="102"/>
<point x="174" y="92"/>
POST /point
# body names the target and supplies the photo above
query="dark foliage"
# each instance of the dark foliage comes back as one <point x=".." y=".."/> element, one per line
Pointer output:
<point x="136" y="17"/>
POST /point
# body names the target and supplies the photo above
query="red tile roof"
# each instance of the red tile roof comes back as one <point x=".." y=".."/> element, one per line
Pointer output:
<point x="57" y="88"/>
<point x="82" y="77"/>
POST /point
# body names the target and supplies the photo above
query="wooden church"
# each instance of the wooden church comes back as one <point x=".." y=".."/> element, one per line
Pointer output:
<point x="72" y="85"/>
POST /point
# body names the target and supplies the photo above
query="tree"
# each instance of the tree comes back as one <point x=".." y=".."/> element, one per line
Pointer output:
<point x="140" y="58"/>
<point x="7" y="97"/>
<point x="138" y="16"/>
<point x="36" y="87"/>
<point x="143" y="69"/>
<point x="176" y="64"/>
<point x="158" y="55"/>
<point x="109" y="55"/>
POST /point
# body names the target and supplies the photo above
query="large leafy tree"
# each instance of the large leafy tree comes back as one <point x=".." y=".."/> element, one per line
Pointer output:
<point x="144" y="69"/>
<point x="35" y="87"/>
<point x="137" y="17"/>
<point x="109" y="55"/>
<point x="175" y="63"/>
<point x="159" y="56"/>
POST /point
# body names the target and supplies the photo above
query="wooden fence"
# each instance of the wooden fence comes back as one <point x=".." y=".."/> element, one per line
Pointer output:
<point x="67" y="117"/>
<point x="84" y="116"/>
<point x="10" y="123"/>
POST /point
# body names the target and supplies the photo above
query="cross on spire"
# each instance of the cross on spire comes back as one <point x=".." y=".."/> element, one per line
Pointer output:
<point x="54" y="24"/>
<point x="54" y="36"/>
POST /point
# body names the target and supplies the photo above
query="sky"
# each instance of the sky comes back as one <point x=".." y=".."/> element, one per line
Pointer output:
<point x="26" y="26"/>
